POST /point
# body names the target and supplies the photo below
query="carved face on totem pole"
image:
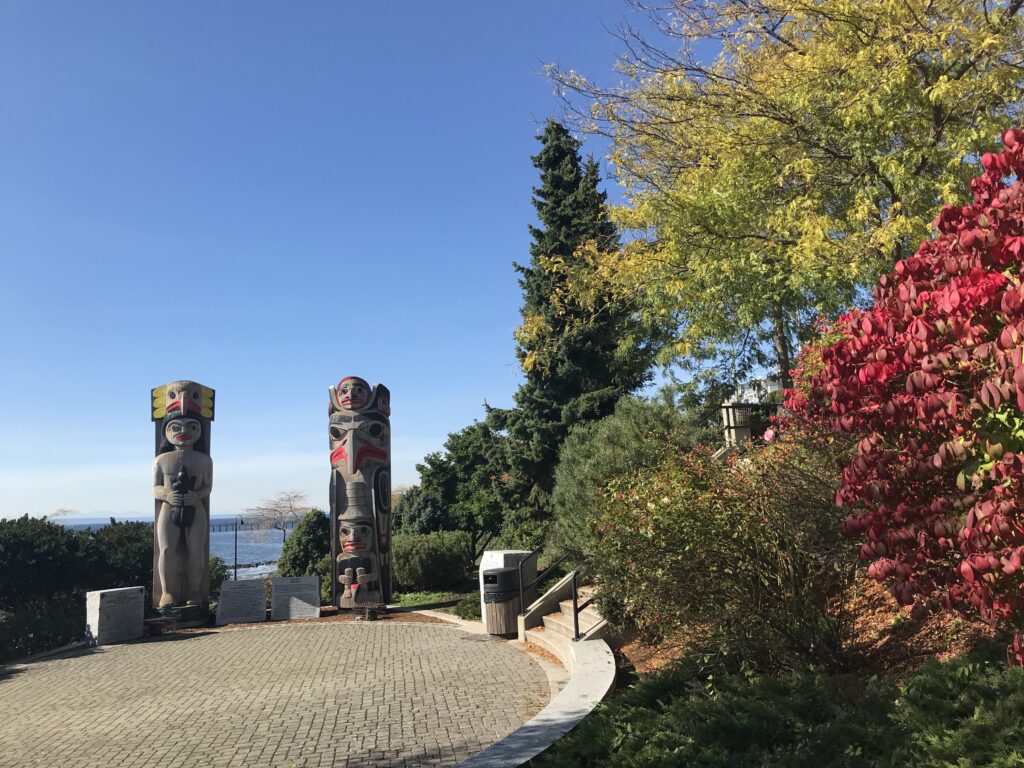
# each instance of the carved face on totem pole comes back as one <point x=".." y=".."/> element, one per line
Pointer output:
<point x="359" y="435"/>
<point x="182" y="479"/>
<point x="182" y="433"/>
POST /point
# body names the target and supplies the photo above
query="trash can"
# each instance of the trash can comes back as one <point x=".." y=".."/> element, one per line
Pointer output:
<point x="501" y="601"/>
<point x="508" y="558"/>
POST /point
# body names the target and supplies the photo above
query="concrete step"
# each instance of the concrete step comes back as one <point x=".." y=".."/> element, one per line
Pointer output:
<point x="554" y="643"/>
<point x="590" y="612"/>
<point x="562" y="623"/>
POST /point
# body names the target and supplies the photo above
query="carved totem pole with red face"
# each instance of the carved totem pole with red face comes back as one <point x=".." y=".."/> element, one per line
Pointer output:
<point x="360" y="439"/>
<point x="182" y="479"/>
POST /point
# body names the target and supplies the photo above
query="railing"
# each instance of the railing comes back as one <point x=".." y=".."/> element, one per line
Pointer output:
<point x="743" y="421"/>
<point x="543" y="575"/>
<point x="577" y="608"/>
<point x="220" y="526"/>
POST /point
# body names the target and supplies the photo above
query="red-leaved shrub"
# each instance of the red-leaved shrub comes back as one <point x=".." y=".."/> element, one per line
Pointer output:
<point x="932" y="378"/>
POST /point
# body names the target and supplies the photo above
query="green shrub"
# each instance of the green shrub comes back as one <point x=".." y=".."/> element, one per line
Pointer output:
<point x="965" y="713"/>
<point x="218" y="574"/>
<point x="124" y="555"/>
<point x="42" y="625"/>
<point x="468" y="608"/>
<point x="640" y="433"/>
<point x="307" y="545"/>
<point x="752" y="551"/>
<point x="323" y="570"/>
<point x="430" y="561"/>
<point x="717" y="718"/>
<point x="40" y="559"/>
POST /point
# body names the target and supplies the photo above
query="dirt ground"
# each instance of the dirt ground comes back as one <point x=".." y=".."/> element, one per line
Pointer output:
<point x="882" y="632"/>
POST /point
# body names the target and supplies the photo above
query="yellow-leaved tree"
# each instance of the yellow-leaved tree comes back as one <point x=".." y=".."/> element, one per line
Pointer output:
<point x="778" y="155"/>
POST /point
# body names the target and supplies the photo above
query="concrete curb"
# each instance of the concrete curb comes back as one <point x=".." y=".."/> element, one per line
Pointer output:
<point x="475" y="627"/>
<point x="593" y="678"/>
<point x="77" y="645"/>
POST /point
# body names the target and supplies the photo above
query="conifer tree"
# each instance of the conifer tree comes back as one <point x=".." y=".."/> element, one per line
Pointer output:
<point x="578" y="360"/>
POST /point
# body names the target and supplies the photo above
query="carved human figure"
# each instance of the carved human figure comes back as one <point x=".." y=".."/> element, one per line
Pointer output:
<point x="182" y="480"/>
<point x="359" y="434"/>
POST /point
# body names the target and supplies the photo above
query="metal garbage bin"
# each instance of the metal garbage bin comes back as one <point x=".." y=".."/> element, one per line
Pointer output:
<point x="501" y="601"/>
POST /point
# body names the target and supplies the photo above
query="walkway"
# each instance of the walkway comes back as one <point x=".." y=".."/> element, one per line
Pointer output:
<point x="305" y="695"/>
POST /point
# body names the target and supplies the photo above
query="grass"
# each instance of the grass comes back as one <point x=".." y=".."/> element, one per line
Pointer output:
<point x="425" y="599"/>
<point x="465" y="605"/>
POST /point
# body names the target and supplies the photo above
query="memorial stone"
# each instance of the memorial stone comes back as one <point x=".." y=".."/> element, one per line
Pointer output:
<point x="295" y="597"/>
<point x="241" y="602"/>
<point x="114" y="615"/>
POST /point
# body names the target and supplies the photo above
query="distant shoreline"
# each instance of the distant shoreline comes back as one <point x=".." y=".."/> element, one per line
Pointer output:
<point x="217" y="522"/>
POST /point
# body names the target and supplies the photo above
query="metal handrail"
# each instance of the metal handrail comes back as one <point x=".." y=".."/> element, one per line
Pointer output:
<point x="522" y="607"/>
<point x="577" y="608"/>
<point x="543" y="575"/>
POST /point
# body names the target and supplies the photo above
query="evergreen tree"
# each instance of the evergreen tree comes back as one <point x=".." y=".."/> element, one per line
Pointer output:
<point x="456" y="491"/>
<point x="308" y="544"/>
<point x="579" y="359"/>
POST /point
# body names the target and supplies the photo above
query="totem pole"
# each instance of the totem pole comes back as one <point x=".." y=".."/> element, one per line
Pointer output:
<point x="182" y="478"/>
<point x="359" y="432"/>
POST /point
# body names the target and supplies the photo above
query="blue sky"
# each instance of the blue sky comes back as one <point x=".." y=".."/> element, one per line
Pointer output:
<point x="262" y="197"/>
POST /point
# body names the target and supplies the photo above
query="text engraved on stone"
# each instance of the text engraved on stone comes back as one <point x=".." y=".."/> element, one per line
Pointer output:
<point x="114" y="615"/>
<point x="241" y="602"/>
<point x="295" y="597"/>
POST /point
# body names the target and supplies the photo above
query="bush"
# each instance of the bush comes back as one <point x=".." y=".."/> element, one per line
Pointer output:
<point x="430" y="561"/>
<point x="717" y="718"/>
<point x="468" y="608"/>
<point x="931" y="378"/>
<point x="306" y="547"/>
<point x="42" y="625"/>
<point x="638" y="434"/>
<point x="218" y="575"/>
<point x="124" y="556"/>
<point x="751" y="551"/>
<point x="323" y="570"/>
<point x="40" y="559"/>
<point x="966" y="712"/>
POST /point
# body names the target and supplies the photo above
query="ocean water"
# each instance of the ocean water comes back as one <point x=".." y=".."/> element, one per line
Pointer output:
<point x="258" y="550"/>
<point x="261" y="547"/>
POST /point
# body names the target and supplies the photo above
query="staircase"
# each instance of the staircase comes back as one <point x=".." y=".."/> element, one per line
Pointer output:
<point x="548" y="623"/>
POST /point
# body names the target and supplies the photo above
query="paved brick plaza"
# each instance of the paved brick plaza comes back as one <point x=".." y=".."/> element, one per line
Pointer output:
<point x="288" y="695"/>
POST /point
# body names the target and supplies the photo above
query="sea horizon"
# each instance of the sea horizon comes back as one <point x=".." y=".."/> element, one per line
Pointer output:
<point x="258" y="549"/>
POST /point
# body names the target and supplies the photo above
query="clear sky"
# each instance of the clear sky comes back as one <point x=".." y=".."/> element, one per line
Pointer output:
<point x="262" y="197"/>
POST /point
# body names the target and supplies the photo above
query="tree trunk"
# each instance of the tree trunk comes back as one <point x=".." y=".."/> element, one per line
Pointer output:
<point x="780" y="335"/>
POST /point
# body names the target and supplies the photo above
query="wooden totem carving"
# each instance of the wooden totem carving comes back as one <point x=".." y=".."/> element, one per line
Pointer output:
<point x="359" y="433"/>
<point x="182" y="479"/>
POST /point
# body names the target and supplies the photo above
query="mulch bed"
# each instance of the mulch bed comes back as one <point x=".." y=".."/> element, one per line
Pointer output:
<point x="539" y="652"/>
<point x="882" y="633"/>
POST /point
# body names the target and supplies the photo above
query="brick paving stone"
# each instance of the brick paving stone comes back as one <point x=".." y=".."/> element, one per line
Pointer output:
<point x="313" y="695"/>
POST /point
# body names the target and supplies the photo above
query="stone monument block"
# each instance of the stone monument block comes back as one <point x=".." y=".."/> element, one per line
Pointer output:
<point x="241" y="602"/>
<point x="114" y="615"/>
<point x="295" y="597"/>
